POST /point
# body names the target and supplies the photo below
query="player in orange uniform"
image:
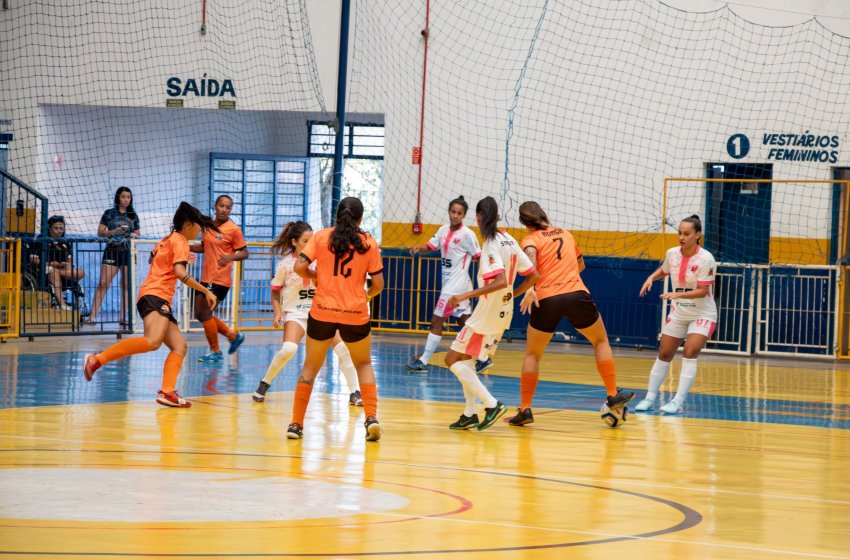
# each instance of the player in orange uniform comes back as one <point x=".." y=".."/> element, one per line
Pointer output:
<point x="559" y="293"/>
<point x="344" y="255"/>
<point x="168" y="264"/>
<point x="221" y="249"/>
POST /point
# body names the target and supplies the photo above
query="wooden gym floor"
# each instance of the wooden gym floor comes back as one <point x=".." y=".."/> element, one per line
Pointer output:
<point x="757" y="467"/>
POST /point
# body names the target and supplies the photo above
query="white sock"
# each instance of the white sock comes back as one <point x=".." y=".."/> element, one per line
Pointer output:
<point x="469" y="409"/>
<point x="485" y="353"/>
<point x="686" y="379"/>
<point x="430" y="347"/>
<point x="465" y="371"/>
<point x="346" y="366"/>
<point x="279" y="360"/>
<point x="656" y="378"/>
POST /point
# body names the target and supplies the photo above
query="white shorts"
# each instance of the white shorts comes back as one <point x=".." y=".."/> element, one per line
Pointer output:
<point x="472" y="343"/>
<point x="442" y="308"/>
<point x="681" y="328"/>
<point x="299" y="317"/>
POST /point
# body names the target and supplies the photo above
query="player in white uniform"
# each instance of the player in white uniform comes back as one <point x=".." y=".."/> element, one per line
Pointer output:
<point x="292" y="297"/>
<point x="458" y="245"/>
<point x="692" y="316"/>
<point x="501" y="260"/>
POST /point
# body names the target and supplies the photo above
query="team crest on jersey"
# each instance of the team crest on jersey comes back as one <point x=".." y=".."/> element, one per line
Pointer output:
<point x="492" y="259"/>
<point x="456" y="240"/>
<point x="711" y="273"/>
<point x="219" y="236"/>
<point x="694" y="268"/>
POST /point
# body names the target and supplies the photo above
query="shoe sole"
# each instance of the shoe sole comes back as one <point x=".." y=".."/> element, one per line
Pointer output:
<point x="290" y="435"/>
<point x="413" y="370"/>
<point x="214" y="361"/>
<point x="258" y="397"/>
<point x="485" y="368"/>
<point x="374" y="432"/>
<point x="484" y="425"/>
<point x="168" y="403"/>
<point x="525" y="422"/>
<point x="646" y="408"/>
<point x="467" y="427"/>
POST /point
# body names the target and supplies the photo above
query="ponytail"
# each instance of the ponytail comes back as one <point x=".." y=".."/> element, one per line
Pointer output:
<point x="488" y="210"/>
<point x="532" y="216"/>
<point x="346" y="237"/>
<point x="291" y="232"/>
<point x="188" y="213"/>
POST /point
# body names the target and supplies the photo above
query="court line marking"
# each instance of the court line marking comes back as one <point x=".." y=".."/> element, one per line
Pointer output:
<point x="155" y="447"/>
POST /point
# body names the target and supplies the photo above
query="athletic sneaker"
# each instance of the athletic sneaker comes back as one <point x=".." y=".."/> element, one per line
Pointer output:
<point x="491" y="415"/>
<point x="354" y="399"/>
<point x="672" y="407"/>
<point x="415" y="365"/>
<point x="211" y="357"/>
<point x="523" y="417"/>
<point x="644" y="405"/>
<point x="90" y="365"/>
<point x="620" y="399"/>
<point x="483" y="365"/>
<point x="373" y="429"/>
<point x="236" y="343"/>
<point x="260" y="393"/>
<point x="465" y="422"/>
<point x="172" y="399"/>
<point x="294" y="431"/>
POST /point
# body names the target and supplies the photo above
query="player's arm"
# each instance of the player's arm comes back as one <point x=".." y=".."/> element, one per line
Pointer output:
<point x="497" y="282"/>
<point x="196" y="246"/>
<point x="183" y="275"/>
<point x="238" y="255"/>
<point x="302" y="268"/>
<point x="659" y="273"/>
<point x="698" y="292"/>
<point x="421" y="249"/>
<point x="377" y="285"/>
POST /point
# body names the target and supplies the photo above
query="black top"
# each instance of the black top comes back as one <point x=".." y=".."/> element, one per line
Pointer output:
<point x="113" y="219"/>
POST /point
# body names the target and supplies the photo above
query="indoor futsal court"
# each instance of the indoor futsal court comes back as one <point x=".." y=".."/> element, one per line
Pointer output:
<point x="755" y="468"/>
<point x="537" y="182"/>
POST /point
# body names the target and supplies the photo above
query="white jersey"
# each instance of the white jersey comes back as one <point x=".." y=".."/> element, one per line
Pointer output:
<point x="457" y="249"/>
<point x="494" y="311"/>
<point x="296" y="292"/>
<point x="689" y="273"/>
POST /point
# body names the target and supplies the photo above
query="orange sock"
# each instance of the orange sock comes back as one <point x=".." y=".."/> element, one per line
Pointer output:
<point x="225" y="330"/>
<point x="527" y="387"/>
<point x="302" y="399"/>
<point x="608" y="373"/>
<point x="211" y="332"/>
<point x="369" y="394"/>
<point x="124" y="348"/>
<point x="170" y="370"/>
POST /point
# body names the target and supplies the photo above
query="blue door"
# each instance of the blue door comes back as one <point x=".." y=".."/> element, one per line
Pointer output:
<point x="738" y="226"/>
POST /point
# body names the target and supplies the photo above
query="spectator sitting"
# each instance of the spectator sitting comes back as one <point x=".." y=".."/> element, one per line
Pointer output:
<point x="59" y="271"/>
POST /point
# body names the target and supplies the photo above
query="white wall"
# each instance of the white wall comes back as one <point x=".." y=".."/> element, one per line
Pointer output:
<point x="614" y="97"/>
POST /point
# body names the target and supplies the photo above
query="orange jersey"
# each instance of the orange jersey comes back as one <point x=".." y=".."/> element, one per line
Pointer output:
<point x="340" y="286"/>
<point x="161" y="279"/>
<point x="557" y="261"/>
<point x="216" y="245"/>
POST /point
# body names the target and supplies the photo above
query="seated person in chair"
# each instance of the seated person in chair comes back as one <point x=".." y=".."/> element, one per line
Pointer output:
<point x="59" y="271"/>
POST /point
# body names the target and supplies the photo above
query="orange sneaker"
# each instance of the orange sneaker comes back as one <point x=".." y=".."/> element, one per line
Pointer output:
<point x="172" y="399"/>
<point x="90" y="365"/>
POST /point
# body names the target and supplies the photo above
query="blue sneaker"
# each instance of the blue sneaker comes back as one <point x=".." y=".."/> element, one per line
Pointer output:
<point x="237" y="342"/>
<point x="415" y="365"/>
<point x="483" y="365"/>
<point x="211" y="358"/>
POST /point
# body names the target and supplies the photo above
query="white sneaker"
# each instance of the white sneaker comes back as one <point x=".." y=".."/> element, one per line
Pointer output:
<point x="644" y="405"/>
<point x="672" y="407"/>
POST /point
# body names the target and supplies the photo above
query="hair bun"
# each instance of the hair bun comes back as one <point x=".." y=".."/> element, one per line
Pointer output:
<point x="460" y="197"/>
<point x="694" y="216"/>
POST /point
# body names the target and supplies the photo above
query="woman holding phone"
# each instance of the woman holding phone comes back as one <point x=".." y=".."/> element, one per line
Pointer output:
<point x="118" y="224"/>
